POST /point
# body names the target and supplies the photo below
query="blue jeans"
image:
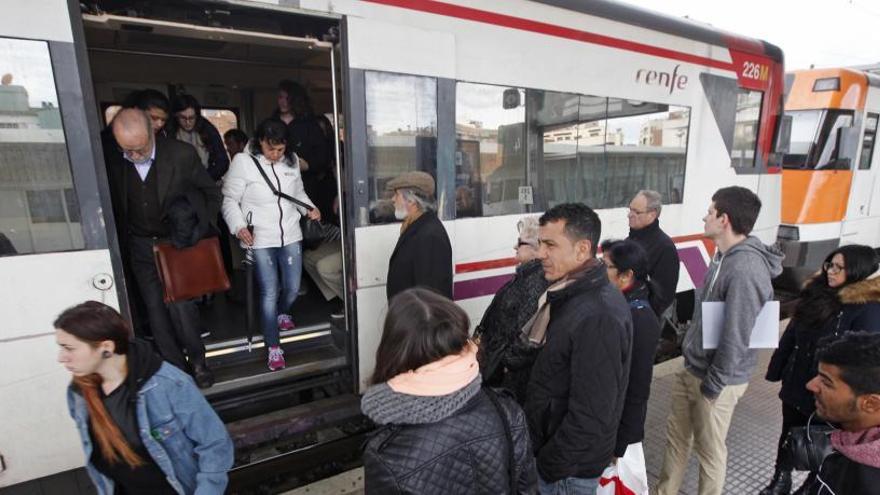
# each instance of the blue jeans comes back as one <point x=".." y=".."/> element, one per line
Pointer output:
<point x="568" y="486"/>
<point x="286" y="260"/>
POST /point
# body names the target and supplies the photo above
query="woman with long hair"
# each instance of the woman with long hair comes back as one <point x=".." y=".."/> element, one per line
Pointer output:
<point x="504" y="362"/>
<point x="191" y="127"/>
<point x="144" y="425"/>
<point x="440" y="430"/>
<point x="844" y="296"/>
<point x="276" y="239"/>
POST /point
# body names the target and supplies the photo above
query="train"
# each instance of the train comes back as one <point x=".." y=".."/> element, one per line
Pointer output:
<point x="512" y="106"/>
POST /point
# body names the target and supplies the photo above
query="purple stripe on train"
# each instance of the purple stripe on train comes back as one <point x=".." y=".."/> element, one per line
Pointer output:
<point x="691" y="256"/>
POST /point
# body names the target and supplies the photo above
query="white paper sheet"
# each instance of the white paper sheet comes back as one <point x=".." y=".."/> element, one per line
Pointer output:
<point x="765" y="334"/>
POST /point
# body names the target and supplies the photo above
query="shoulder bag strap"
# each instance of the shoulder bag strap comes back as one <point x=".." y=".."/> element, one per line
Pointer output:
<point x="511" y="457"/>
<point x="275" y="191"/>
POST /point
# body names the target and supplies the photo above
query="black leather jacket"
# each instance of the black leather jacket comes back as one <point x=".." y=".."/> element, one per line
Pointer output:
<point x="466" y="452"/>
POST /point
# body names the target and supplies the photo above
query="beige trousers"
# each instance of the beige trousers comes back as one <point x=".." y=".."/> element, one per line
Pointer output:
<point x="324" y="265"/>
<point x="696" y="421"/>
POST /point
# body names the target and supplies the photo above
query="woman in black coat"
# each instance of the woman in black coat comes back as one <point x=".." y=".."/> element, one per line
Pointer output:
<point x="627" y="266"/>
<point x="504" y="363"/>
<point x="440" y="431"/>
<point x="842" y="297"/>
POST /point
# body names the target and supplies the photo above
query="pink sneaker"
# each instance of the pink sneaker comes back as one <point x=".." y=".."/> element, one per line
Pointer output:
<point x="285" y="322"/>
<point x="276" y="359"/>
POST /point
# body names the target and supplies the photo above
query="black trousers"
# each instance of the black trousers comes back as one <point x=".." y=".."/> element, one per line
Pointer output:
<point x="176" y="327"/>
<point x="791" y="418"/>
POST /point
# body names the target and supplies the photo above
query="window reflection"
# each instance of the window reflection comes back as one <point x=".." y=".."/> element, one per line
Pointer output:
<point x="401" y="133"/>
<point x="490" y="161"/>
<point x="37" y="213"/>
<point x="745" y="134"/>
<point x="868" y="141"/>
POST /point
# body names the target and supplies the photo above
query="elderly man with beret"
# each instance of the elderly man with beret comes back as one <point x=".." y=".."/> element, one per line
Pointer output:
<point x="423" y="254"/>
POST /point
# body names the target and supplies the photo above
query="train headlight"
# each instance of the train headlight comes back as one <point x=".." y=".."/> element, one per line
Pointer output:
<point x="788" y="233"/>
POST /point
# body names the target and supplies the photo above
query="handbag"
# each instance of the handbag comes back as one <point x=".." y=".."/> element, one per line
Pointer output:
<point x="809" y="445"/>
<point x="190" y="272"/>
<point x="628" y="476"/>
<point x="314" y="233"/>
<point x="508" y="434"/>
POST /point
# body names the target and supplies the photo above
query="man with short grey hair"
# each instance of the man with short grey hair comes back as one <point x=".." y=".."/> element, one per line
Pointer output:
<point x="663" y="264"/>
<point x="423" y="255"/>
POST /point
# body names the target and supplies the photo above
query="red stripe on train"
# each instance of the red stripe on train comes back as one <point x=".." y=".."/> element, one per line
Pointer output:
<point x="477" y="266"/>
<point x="503" y="20"/>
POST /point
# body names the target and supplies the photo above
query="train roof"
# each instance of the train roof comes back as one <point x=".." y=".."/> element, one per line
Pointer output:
<point x="676" y="26"/>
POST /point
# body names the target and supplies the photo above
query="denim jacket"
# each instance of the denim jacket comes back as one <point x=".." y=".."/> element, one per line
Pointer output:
<point x="179" y="429"/>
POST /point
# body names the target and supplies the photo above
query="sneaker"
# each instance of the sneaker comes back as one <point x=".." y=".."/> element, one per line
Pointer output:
<point x="276" y="359"/>
<point x="285" y="322"/>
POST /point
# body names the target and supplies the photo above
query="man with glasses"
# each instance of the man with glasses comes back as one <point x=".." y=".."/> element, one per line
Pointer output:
<point x="153" y="172"/>
<point x="663" y="264"/>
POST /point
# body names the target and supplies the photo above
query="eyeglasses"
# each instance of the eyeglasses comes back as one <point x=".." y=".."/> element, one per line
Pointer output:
<point x="637" y="212"/>
<point x="830" y="267"/>
<point x="521" y="243"/>
<point x="135" y="155"/>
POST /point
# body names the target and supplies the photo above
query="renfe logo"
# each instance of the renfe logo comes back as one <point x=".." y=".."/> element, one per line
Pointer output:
<point x="672" y="81"/>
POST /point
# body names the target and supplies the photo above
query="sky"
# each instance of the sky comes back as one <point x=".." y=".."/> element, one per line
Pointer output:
<point x="822" y="33"/>
<point x="29" y="64"/>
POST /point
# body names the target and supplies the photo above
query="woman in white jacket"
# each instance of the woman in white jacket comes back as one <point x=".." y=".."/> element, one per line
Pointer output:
<point x="276" y="239"/>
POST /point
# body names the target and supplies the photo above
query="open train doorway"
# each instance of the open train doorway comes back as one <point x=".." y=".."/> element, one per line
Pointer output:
<point x="231" y="59"/>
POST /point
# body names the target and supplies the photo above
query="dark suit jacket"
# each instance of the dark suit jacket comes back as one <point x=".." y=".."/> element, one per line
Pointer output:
<point x="422" y="258"/>
<point x="179" y="173"/>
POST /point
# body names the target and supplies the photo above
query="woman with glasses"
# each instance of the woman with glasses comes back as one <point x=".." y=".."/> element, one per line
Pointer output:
<point x="503" y="362"/>
<point x="843" y="296"/>
<point x="190" y="127"/>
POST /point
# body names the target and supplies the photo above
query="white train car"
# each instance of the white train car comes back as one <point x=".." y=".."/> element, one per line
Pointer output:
<point x="512" y="106"/>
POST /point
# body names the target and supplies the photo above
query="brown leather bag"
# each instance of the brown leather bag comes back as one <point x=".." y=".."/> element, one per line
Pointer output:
<point x="191" y="272"/>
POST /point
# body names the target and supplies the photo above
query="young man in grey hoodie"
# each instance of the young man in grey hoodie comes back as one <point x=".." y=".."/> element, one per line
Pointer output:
<point x="706" y="391"/>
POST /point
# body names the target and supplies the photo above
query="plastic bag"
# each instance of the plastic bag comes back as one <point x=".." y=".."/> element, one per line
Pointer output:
<point x="628" y="476"/>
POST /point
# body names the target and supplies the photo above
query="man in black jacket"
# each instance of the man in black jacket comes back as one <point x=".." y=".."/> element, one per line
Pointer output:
<point x="847" y="391"/>
<point x="576" y="393"/>
<point x="423" y="254"/>
<point x="663" y="264"/>
<point x="146" y="175"/>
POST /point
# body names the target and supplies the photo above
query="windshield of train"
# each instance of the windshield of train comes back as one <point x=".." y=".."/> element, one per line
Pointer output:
<point x="814" y="136"/>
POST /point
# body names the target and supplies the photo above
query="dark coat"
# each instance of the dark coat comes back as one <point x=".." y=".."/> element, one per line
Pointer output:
<point x="179" y="172"/>
<point x="794" y="362"/>
<point x="663" y="264"/>
<point x="501" y="327"/>
<point x="578" y="385"/>
<point x="421" y="258"/>
<point x="846" y="477"/>
<point x="646" y="334"/>
<point x="465" y="452"/>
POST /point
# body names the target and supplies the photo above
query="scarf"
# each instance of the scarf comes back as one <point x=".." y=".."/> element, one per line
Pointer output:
<point x="535" y="330"/>
<point x="862" y="447"/>
<point x="441" y="377"/>
<point x="195" y="140"/>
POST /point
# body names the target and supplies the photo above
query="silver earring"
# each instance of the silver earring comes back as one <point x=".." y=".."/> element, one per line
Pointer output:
<point x="106" y="354"/>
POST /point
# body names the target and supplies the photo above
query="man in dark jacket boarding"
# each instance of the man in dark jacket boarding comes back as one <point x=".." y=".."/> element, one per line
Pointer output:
<point x="423" y="254"/>
<point x="578" y="384"/>
<point x="663" y="264"/>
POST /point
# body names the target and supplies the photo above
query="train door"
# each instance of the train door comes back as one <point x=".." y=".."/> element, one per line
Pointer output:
<point x="858" y="227"/>
<point x="54" y="248"/>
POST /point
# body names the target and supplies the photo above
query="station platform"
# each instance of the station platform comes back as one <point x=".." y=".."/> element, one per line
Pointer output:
<point x="751" y="441"/>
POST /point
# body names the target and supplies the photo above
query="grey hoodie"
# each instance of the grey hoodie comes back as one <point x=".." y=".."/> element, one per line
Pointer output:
<point x="743" y="284"/>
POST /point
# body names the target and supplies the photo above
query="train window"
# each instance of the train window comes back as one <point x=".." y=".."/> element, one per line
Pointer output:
<point x="745" y="133"/>
<point x="572" y="138"/>
<point x="814" y="140"/>
<point x="490" y="158"/>
<point x="646" y="148"/>
<point x="868" y="141"/>
<point x="38" y="210"/>
<point x="401" y="133"/>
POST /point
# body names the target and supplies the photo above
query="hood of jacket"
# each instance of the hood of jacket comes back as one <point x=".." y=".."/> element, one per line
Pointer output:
<point x="385" y="406"/>
<point x="770" y="255"/>
<point x="143" y="363"/>
<point x="862" y="292"/>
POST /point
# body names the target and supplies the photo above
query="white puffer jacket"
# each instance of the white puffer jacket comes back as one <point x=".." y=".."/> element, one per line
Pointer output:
<point x="275" y="219"/>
